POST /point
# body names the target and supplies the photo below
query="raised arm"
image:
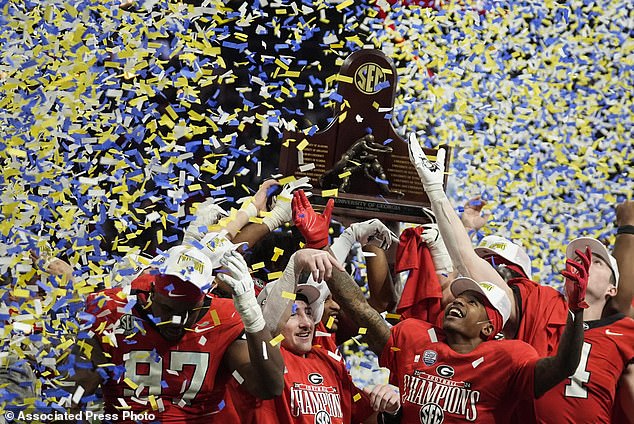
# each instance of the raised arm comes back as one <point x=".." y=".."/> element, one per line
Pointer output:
<point x="257" y="362"/>
<point x="442" y="261"/>
<point x="280" y="213"/>
<point x="251" y="209"/>
<point x="352" y="300"/>
<point x="278" y="305"/>
<point x="624" y="252"/>
<point x="551" y="370"/>
<point x="466" y="262"/>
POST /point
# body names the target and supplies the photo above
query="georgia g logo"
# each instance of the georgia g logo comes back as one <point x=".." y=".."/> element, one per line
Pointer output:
<point x="431" y="413"/>
<point x="445" y="371"/>
<point x="315" y="378"/>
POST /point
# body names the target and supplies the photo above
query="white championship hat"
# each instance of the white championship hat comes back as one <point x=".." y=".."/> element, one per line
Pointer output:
<point x="215" y="245"/>
<point x="597" y="249"/>
<point x="495" y="295"/>
<point x="188" y="264"/>
<point x="506" y="249"/>
<point x="315" y="294"/>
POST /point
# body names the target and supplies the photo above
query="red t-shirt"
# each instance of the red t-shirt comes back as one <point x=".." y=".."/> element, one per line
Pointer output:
<point x="438" y="384"/>
<point x="317" y="389"/>
<point x="183" y="376"/>
<point x="544" y="313"/>
<point x="608" y="348"/>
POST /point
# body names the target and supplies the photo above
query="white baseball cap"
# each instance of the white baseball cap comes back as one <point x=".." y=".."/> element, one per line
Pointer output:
<point x="510" y="251"/>
<point x="215" y="245"/>
<point x="188" y="264"/>
<point x="315" y="294"/>
<point x="597" y="249"/>
<point x="495" y="295"/>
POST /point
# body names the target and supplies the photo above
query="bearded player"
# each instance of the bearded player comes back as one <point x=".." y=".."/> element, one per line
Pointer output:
<point x="167" y="348"/>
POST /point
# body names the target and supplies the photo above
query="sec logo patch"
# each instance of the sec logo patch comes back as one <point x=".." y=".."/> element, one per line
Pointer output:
<point x="430" y="357"/>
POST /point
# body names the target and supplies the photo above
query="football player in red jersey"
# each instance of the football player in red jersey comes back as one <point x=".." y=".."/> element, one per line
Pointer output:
<point x="317" y="386"/>
<point x="458" y="373"/>
<point x="539" y="308"/>
<point x="165" y="350"/>
<point x="607" y="354"/>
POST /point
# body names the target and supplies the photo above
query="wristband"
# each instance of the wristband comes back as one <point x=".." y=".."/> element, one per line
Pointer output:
<point x="251" y="210"/>
<point x="625" y="229"/>
<point x="435" y="192"/>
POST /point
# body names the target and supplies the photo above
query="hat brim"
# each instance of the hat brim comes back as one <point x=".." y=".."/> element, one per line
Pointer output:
<point x="463" y="284"/>
<point x="597" y="248"/>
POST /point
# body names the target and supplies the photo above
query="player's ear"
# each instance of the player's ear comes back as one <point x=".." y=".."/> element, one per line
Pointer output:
<point x="486" y="330"/>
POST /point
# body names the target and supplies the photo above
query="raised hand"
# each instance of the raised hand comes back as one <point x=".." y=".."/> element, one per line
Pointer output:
<point x="431" y="173"/>
<point x="237" y="277"/>
<point x="318" y="262"/>
<point x="259" y="198"/>
<point x="313" y="226"/>
<point x="473" y="218"/>
<point x="384" y="398"/>
<point x="373" y="232"/>
<point x="625" y="213"/>
<point x="576" y="274"/>
<point x="281" y="210"/>
<point x="439" y="254"/>
<point x="237" y="274"/>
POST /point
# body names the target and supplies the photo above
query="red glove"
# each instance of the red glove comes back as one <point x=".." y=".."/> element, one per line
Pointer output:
<point x="313" y="226"/>
<point x="577" y="280"/>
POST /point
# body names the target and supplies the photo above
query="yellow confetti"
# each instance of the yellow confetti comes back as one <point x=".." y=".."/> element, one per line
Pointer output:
<point x="274" y="275"/>
<point x="330" y="193"/>
<point x="288" y="295"/>
<point x="302" y="145"/>
<point x="130" y="383"/>
<point x="214" y="317"/>
<point x="330" y="323"/>
<point x="276" y="340"/>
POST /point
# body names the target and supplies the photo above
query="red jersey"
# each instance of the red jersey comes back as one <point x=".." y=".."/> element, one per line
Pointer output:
<point x="317" y="389"/>
<point x="544" y="312"/>
<point x="608" y="348"/>
<point x="324" y="339"/>
<point x="176" y="381"/>
<point x="438" y="384"/>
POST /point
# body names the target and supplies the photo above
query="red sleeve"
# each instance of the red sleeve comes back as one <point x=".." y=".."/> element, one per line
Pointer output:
<point x="544" y="316"/>
<point x="522" y="380"/>
<point x="626" y="326"/>
<point x="103" y="308"/>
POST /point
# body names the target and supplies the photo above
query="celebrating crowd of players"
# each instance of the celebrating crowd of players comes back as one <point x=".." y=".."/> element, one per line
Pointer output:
<point x="193" y="336"/>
